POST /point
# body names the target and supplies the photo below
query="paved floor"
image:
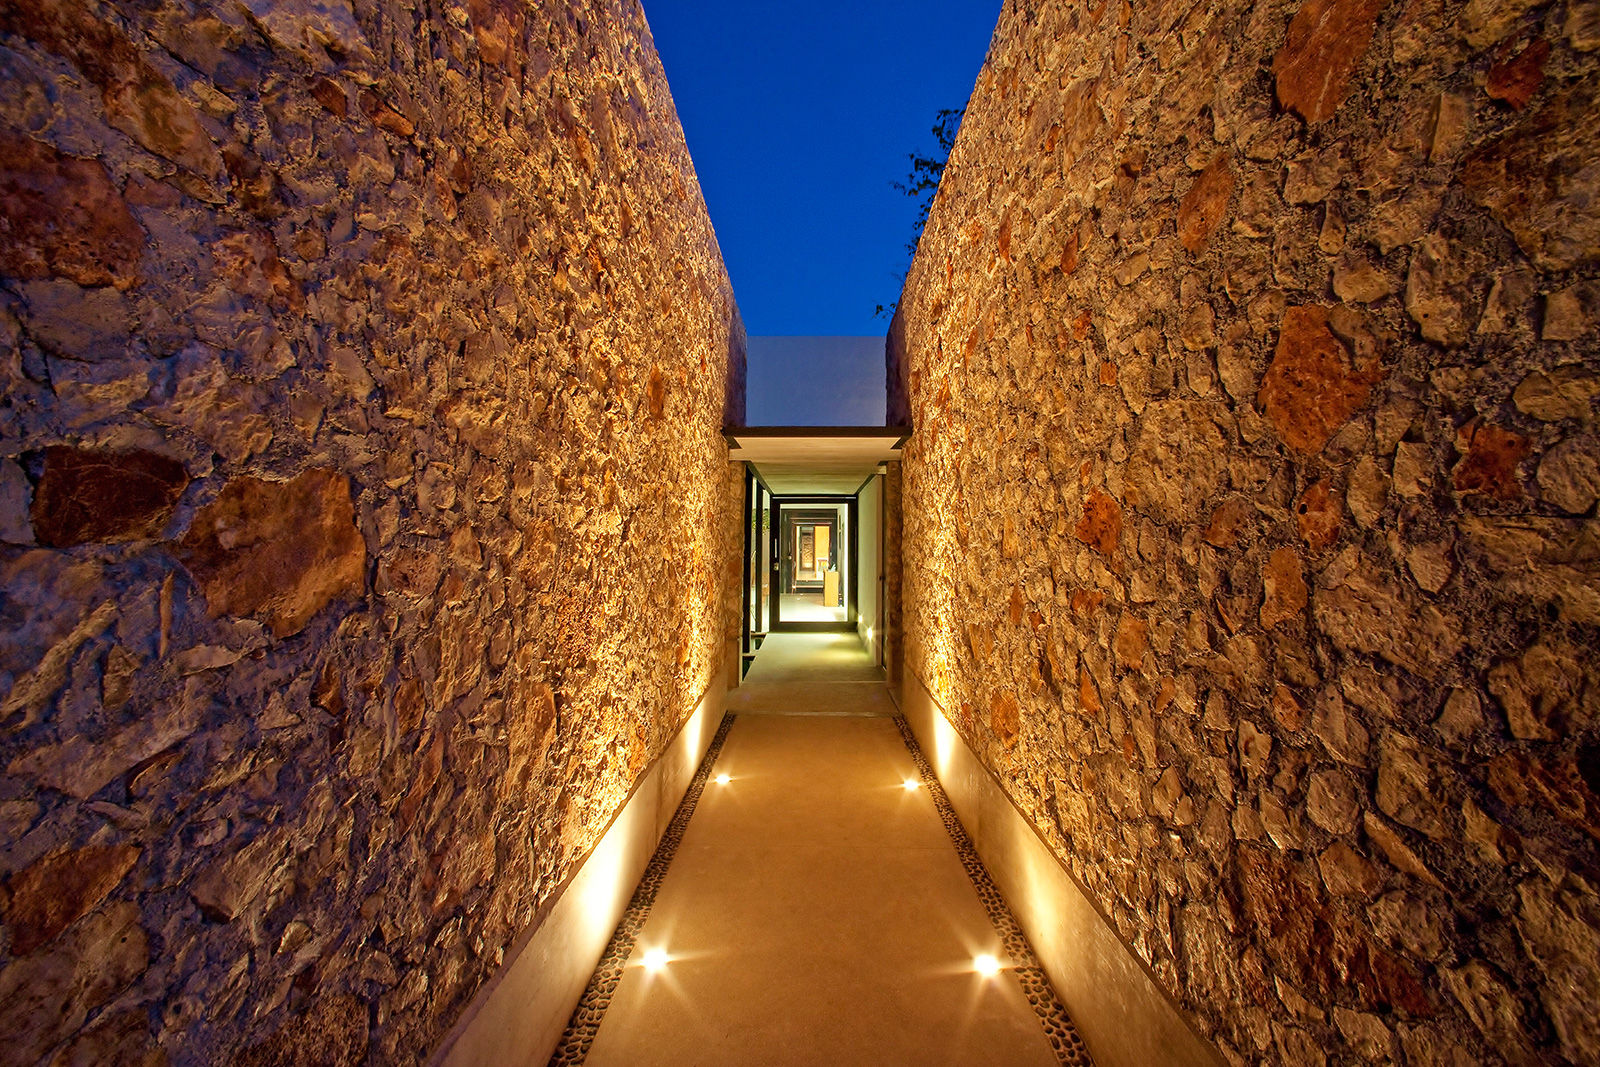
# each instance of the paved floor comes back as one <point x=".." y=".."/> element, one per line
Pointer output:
<point x="816" y="911"/>
<point x="808" y="607"/>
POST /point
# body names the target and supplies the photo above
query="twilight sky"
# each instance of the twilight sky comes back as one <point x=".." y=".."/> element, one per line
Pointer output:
<point x="799" y="116"/>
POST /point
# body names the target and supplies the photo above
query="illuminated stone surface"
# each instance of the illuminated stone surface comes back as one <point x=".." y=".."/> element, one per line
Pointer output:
<point x="1357" y="554"/>
<point x="365" y="369"/>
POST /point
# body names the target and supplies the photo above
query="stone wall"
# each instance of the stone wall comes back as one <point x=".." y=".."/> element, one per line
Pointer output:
<point x="366" y="518"/>
<point x="1249" y="528"/>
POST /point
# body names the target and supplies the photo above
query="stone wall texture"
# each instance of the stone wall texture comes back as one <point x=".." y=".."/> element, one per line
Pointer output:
<point x="1249" y="520"/>
<point x="366" y="521"/>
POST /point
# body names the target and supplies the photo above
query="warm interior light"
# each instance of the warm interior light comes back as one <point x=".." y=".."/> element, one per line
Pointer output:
<point x="655" y="959"/>
<point x="723" y="779"/>
<point x="910" y="783"/>
<point x="986" y="965"/>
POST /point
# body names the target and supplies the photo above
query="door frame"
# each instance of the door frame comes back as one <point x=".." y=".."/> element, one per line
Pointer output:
<point x="852" y="584"/>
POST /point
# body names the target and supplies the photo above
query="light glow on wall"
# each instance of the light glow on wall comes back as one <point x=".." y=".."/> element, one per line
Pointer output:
<point x="986" y="965"/>
<point x="655" y="959"/>
<point x="944" y="744"/>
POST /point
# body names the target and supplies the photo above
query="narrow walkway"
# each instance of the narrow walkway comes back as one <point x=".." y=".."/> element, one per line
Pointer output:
<point x="807" y="907"/>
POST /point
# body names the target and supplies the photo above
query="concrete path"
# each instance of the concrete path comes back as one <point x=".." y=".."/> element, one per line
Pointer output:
<point x="816" y="910"/>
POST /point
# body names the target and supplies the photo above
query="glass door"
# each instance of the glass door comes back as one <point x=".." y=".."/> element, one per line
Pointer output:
<point x="813" y="553"/>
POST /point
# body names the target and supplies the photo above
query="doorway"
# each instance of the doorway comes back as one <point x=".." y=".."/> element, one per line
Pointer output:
<point x="813" y="556"/>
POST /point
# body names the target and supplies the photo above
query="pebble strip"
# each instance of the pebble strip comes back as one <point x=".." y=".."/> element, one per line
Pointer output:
<point x="591" y="1009"/>
<point x="1021" y="961"/>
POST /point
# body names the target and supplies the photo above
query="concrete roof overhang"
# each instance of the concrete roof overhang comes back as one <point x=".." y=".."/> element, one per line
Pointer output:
<point x="815" y="460"/>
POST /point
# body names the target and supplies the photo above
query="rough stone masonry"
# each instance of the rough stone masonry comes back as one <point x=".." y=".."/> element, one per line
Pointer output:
<point x="367" y="528"/>
<point x="1252" y="351"/>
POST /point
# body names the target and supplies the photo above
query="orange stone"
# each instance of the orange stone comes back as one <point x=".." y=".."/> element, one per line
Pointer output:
<point x="1516" y="80"/>
<point x="330" y="96"/>
<point x="1223" y="529"/>
<point x="62" y="216"/>
<point x="1101" y="525"/>
<point x="1314" y="385"/>
<point x="383" y="116"/>
<point x="1069" y="255"/>
<point x="280" y="550"/>
<point x="1317" y="516"/>
<point x="1204" y="204"/>
<point x="1284" y="587"/>
<point x="1490" y="463"/>
<point x="1088" y="693"/>
<point x="1286" y="709"/>
<point x="49" y="896"/>
<point x="1132" y="642"/>
<point x="1325" y="43"/>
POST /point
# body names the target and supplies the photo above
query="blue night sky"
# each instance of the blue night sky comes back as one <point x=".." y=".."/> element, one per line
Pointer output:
<point x="799" y="116"/>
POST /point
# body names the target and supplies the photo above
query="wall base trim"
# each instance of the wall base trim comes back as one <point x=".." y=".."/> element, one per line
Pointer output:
<point x="519" y="1015"/>
<point x="1123" y="1015"/>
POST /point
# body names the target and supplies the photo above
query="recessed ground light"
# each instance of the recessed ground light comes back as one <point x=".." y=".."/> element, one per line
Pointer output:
<point x="723" y="779"/>
<point x="910" y="783"/>
<point x="986" y="965"/>
<point x="655" y="959"/>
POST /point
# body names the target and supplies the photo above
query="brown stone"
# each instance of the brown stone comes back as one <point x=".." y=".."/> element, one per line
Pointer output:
<point x="656" y="393"/>
<point x="1560" y="926"/>
<point x="1492" y="1007"/>
<point x="1489" y="465"/>
<point x="1313" y="385"/>
<point x="1411" y="787"/>
<point x="1088" y="693"/>
<point x="1569" y="475"/>
<point x="332" y="1031"/>
<point x="151" y="112"/>
<point x="1205" y="204"/>
<point x="280" y="550"/>
<point x="1101" y="525"/>
<point x="1554" y="782"/>
<point x="81" y="766"/>
<point x="121" y="1037"/>
<point x="52" y="893"/>
<point x="226" y="888"/>
<point x="1364" y="612"/>
<point x="1516" y="80"/>
<point x="248" y="261"/>
<point x="1537" y="178"/>
<point x="62" y="216"/>
<point x="86" y="495"/>
<point x="138" y="99"/>
<point x="1178" y="463"/>
<point x="1442" y="290"/>
<point x="1564" y="392"/>
<point x="1003" y="717"/>
<point x="1331" y="802"/>
<point x="1286" y="709"/>
<point x="1347" y="873"/>
<point x="1540" y="693"/>
<point x="1324" y="44"/>
<point x="1283" y="588"/>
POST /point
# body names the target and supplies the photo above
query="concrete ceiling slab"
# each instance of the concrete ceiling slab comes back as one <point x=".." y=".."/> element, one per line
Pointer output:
<point x="820" y="460"/>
